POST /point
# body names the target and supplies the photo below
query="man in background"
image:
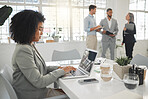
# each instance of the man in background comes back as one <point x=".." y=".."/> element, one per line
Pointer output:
<point x="91" y="28"/>
<point x="110" y="30"/>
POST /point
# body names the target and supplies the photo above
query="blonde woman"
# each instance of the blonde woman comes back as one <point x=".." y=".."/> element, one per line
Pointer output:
<point x="128" y="35"/>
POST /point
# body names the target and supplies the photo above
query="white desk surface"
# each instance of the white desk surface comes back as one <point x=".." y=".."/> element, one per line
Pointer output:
<point x="99" y="90"/>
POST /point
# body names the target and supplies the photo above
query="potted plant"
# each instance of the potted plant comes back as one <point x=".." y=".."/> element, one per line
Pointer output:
<point x="56" y="38"/>
<point x="122" y="66"/>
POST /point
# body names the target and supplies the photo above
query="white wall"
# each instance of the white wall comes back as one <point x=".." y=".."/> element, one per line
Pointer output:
<point x="141" y="47"/>
<point x="45" y="49"/>
<point x="120" y="10"/>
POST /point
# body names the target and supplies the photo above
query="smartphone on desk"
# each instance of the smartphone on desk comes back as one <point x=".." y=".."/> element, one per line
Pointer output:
<point x="88" y="81"/>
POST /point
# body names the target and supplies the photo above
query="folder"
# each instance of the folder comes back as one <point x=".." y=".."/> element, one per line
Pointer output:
<point x="129" y="26"/>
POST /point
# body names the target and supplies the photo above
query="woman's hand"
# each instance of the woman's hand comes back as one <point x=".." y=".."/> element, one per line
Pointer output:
<point x="67" y="69"/>
<point x="124" y="29"/>
<point x="60" y="67"/>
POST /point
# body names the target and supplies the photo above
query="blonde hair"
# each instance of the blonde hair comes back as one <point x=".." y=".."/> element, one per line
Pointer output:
<point x="131" y="15"/>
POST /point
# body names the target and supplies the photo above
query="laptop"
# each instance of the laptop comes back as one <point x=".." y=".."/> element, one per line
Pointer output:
<point x="85" y="65"/>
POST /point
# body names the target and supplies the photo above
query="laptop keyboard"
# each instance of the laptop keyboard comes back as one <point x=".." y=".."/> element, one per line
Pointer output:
<point x="77" y="73"/>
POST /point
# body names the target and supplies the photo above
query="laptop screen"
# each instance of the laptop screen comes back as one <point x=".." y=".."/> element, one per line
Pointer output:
<point x="88" y="59"/>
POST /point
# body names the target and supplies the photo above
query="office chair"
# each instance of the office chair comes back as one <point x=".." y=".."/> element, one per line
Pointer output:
<point x="6" y="88"/>
<point x="3" y="92"/>
<point x="139" y="60"/>
<point x="65" y="55"/>
<point x="7" y="72"/>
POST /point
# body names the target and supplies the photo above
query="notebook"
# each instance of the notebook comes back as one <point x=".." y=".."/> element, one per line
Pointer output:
<point x="85" y="65"/>
<point x="129" y="27"/>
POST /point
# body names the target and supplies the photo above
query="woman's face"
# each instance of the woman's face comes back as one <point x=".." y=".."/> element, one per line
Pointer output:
<point x="127" y="17"/>
<point x="38" y="32"/>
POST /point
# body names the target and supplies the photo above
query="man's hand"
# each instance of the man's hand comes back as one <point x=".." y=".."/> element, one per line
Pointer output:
<point x="111" y="35"/>
<point x="122" y="44"/>
<point x="95" y="28"/>
<point x="104" y="32"/>
<point x="99" y="26"/>
<point x="98" y="30"/>
<point x="124" y="29"/>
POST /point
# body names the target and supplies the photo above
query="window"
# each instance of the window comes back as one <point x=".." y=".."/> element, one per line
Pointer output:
<point x="50" y="22"/>
<point x="77" y="24"/>
<point x="64" y="18"/>
<point x="80" y="11"/>
<point x="4" y="29"/>
<point x="140" y="10"/>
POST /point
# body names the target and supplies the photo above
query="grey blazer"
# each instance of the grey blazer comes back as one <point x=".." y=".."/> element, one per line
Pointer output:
<point x="31" y="76"/>
<point x="112" y="29"/>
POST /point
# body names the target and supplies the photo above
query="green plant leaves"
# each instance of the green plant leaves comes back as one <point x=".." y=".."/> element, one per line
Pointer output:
<point x="123" y="61"/>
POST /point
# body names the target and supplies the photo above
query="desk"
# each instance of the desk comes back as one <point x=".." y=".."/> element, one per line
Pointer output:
<point x="99" y="90"/>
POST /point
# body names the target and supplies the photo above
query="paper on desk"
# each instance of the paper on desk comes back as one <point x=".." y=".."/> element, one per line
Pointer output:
<point x="125" y="95"/>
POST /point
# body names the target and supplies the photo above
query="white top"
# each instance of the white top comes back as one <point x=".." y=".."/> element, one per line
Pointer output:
<point x="109" y="22"/>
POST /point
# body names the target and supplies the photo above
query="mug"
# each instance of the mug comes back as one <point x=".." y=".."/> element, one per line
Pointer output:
<point x="106" y="72"/>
